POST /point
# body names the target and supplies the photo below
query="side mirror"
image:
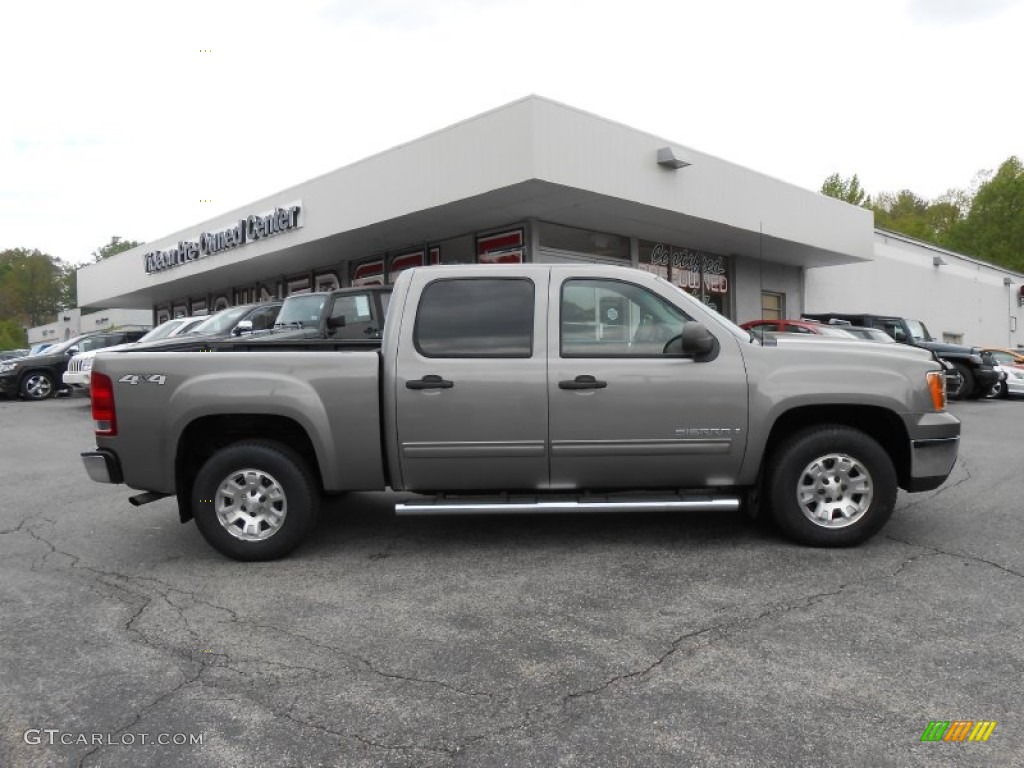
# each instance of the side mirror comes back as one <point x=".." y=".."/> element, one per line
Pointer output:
<point x="699" y="342"/>
<point x="336" y="322"/>
<point x="244" y="326"/>
<point x="71" y="351"/>
<point x="695" y="341"/>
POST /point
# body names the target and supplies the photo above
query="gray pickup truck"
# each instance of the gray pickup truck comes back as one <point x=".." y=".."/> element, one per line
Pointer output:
<point x="529" y="388"/>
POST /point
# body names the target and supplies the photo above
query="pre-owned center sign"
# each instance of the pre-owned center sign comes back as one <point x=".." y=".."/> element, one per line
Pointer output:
<point x="247" y="230"/>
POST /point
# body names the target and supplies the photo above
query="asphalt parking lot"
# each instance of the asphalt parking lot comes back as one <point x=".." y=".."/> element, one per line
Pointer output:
<point x="653" y="640"/>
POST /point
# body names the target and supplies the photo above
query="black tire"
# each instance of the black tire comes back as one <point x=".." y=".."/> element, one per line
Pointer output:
<point x="275" y="504"/>
<point x="858" y="476"/>
<point x="964" y="382"/>
<point x="37" y="385"/>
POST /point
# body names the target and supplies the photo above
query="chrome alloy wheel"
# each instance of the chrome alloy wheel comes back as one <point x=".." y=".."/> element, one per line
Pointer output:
<point x="38" y="386"/>
<point x="834" y="491"/>
<point x="251" y="505"/>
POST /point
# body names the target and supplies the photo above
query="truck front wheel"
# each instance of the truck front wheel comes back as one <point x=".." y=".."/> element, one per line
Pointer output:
<point x="830" y="486"/>
<point x="254" y="500"/>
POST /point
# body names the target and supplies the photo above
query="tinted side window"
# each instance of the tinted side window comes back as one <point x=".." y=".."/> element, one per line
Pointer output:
<point x="476" y="317"/>
<point x="611" y="318"/>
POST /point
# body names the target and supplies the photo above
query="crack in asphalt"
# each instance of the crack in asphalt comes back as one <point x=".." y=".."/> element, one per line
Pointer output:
<point x="724" y="629"/>
<point x="141" y="714"/>
<point x="16" y="529"/>
<point x="958" y="555"/>
<point x="131" y="590"/>
<point x="128" y="590"/>
<point x="366" y="741"/>
<point x="365" y="662"/>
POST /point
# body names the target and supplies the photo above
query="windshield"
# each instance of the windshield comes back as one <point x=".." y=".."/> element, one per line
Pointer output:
<point x="163" y="330"/>
<point x="827" y="330"/>
<point x="918" y="331"/>
<point x="303" y="311"/>
<point x="93" y="342"/>
<point x="58" y="348"/>
<point x="220" y="323"/>
<point x="872" y="334"/>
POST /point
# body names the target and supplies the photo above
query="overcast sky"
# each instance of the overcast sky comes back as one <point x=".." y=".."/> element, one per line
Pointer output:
<point x="127" y="117"/>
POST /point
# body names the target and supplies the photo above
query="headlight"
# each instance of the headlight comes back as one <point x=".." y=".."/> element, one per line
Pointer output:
<point x="7" y="367"/>
<point x="87" y="364"/>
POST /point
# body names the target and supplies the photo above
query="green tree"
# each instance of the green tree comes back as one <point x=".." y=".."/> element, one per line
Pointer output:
<point x="116" y="245"/>
<point x="912" y="215"/>
<point x="31" y="287"/>
<point x="849" y="189"/>
<point x="12" y="335"/>
<point x="993" y="228"/>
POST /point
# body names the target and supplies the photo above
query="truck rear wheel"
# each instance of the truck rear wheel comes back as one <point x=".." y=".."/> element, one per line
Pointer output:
<point x="255" y="500"/>
<point x="830" y="486"/>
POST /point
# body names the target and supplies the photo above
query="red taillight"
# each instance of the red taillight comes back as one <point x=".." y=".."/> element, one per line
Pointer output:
<point x="103" y="413"/>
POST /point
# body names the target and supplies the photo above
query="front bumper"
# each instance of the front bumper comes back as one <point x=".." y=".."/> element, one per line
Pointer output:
<point x="986" y="378"/>
<point x="934" y="443"/>
<point x="9" y="384"/>
<point x="77" y="378"/>
<point x="103" y="466"/>
<point x="1014" y="380"/>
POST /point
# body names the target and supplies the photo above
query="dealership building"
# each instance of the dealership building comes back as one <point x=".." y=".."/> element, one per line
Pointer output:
<point x="532" y="181"/>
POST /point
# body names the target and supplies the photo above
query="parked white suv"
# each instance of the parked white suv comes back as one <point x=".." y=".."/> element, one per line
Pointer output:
<point x="79" y="371"/>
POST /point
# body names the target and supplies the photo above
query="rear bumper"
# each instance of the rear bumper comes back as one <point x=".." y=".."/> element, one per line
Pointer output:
<point x="103" y="466"/>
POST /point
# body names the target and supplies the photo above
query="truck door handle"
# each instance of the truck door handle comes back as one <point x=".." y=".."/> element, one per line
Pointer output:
<point x="583" y="382"/>
<point x="429" y="382"/>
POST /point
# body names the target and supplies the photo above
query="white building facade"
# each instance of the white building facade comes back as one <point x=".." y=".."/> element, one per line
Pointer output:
<point x="538" y="181"/>
<point x="961" y="300"/>
<point x="71" y="322"/>
<point x="533" y="181"/>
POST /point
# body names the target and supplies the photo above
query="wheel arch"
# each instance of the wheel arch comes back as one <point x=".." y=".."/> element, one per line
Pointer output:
<point x="881" y="424"/>
<point x="208" y="434"/>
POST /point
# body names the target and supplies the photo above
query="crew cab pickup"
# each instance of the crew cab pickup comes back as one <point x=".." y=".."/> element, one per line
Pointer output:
<point x="528" y="388"/>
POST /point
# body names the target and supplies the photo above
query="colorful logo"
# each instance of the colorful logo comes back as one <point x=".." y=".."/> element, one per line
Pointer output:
<point x="958" y="730"/>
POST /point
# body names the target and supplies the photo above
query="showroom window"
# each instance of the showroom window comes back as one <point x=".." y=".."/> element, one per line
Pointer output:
<point x="476" y="317"/>
<point x="562" y="238"/>
<point x="707" y="276"/>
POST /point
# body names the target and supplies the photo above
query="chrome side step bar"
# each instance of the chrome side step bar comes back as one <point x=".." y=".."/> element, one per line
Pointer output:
<point x="509" y="505"/>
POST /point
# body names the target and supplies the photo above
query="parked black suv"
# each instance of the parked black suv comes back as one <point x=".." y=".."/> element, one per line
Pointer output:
<point x="38" y="377"/>
<point x="974" y="372"/>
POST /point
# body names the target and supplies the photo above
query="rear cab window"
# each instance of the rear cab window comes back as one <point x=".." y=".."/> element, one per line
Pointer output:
<point x="476" y="317"/>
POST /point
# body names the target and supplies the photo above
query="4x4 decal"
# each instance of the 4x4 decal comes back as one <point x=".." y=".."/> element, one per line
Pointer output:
<point x="143" y="378"/>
